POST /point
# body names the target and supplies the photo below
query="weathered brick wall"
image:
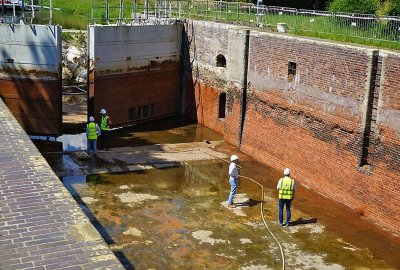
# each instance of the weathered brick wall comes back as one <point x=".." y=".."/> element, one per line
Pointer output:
<point x="386" y="155"/>
<point x="315" y="123"/>
<point x="205" y="82"/>
<point x="341" y="100"/>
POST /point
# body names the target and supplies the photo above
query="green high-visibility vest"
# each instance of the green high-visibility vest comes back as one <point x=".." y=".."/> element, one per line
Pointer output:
<point x="104" y="120"/>
<point x="286" y="188"/>
<point x="92" y="131"/>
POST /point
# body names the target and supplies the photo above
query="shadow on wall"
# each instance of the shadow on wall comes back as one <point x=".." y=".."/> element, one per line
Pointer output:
<point x="188" y="85"/>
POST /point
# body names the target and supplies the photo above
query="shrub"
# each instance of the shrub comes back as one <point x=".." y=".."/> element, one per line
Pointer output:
<point x="355" y="6"/>
<point x="390" y="8"/>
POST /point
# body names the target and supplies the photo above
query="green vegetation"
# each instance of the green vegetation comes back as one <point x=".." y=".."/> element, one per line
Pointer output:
<point x="378" y="33"/>
<point x="390" y="8"/>
<point x="77" y="39"/>
<point x="355" y="6"/>
<point x="378" y="7"/>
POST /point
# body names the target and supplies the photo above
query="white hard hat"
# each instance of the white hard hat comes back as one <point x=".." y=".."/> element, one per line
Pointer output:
<point x="234" y="157"/>
<point x="91" y="119"/>
<point x="286" y="172"/>
<point x="103" y="111"/>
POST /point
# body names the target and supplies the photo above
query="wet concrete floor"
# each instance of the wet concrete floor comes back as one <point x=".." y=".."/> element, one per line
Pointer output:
<point x="177" y="218"/>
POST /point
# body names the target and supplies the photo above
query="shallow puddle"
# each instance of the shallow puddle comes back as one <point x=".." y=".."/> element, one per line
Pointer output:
<point x="169" y="130"/>
<point x="177" y="218"/>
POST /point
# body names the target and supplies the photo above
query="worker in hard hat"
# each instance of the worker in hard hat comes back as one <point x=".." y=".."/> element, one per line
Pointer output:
<point x="286" y="187"/>
<point x="92" y="132"/>
<point x="233" y="179"/>
<point x="105" y="128"/>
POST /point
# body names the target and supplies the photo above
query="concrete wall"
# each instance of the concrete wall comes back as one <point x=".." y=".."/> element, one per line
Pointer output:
<point x="335" y="123"/>
<point x="134" y="66"/>
<point x="30" y="76"/>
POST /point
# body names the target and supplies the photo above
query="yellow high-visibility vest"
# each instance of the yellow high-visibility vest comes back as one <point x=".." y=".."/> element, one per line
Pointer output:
<point x="104" y="120"/>
<point x="286" y="188"/>
<point x="92" y="131"/>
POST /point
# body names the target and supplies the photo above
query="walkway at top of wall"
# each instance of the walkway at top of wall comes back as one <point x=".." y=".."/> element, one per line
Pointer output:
<point x="41" y="225"/>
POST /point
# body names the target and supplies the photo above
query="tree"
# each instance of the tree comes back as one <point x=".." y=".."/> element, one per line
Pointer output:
<point x="355" y="6"/>
<point x="390" y="8"/>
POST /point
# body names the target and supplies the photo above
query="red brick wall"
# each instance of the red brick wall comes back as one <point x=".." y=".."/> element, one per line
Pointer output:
<point x="207" y="107"/>
<point x="156" y="84"/>
<point x="315" y="123"/>
<point x="204" y="82"/>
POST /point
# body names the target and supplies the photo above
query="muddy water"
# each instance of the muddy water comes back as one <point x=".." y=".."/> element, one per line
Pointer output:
<point x="177" y="218"/>
<point x="168" y="130"/>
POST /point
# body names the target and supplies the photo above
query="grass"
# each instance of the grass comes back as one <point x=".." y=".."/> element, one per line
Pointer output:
<point x="77" y="14"/>
<point x="378" y="34"/>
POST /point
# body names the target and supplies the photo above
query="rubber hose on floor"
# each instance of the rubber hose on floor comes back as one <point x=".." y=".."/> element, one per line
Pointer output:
<point x="262" y="209"/>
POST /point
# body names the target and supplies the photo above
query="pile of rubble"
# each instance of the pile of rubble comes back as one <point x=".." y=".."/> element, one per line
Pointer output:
<point x="74" y="62"/>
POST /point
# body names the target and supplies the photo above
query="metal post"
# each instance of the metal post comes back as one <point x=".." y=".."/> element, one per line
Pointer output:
<point x="147" y="9"/>
<point x="167" y="8"/>
<point x="237" y="12"/>
<point x="51" y="12"/>
<point x="23" y="9"/>
<point x="41" y="10"/>
<point x="91" y="10"/>
<point x="180" y="9"/>
<point x="207" y="7"/>
<point x="2" y="10"/>
<point x="133" y="15"/>
<point x="107" y="15"/>
<point x="258" y="12"/>
<point x="226" y="11"/>
<point x="32" y="10"/>
<point x="120" y="11"/>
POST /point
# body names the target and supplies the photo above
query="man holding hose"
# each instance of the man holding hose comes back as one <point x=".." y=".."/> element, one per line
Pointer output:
<point x="233" y="179"/>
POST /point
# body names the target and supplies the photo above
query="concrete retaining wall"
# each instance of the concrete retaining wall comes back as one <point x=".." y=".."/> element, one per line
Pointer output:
<point x="30" y="76"/>
<point x="328" y="111"/>
<point x="134" y="71"/>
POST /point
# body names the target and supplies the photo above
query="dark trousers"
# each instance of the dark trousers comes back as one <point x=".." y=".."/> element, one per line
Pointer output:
<point x="104" y="142"/>
<point x="282" y="203"/>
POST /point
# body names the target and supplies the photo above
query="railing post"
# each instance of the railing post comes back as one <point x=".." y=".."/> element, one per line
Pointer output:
<point x="2" y="9"/>
<point x="51" y="12"/>
<point x="32" y="10"/>
<point x="120" y="11"/>
<point x="91" y="10"/>
<point x="23" y="9"/>
<point x="107" y="15"/>
<point x="237" y="12"/>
